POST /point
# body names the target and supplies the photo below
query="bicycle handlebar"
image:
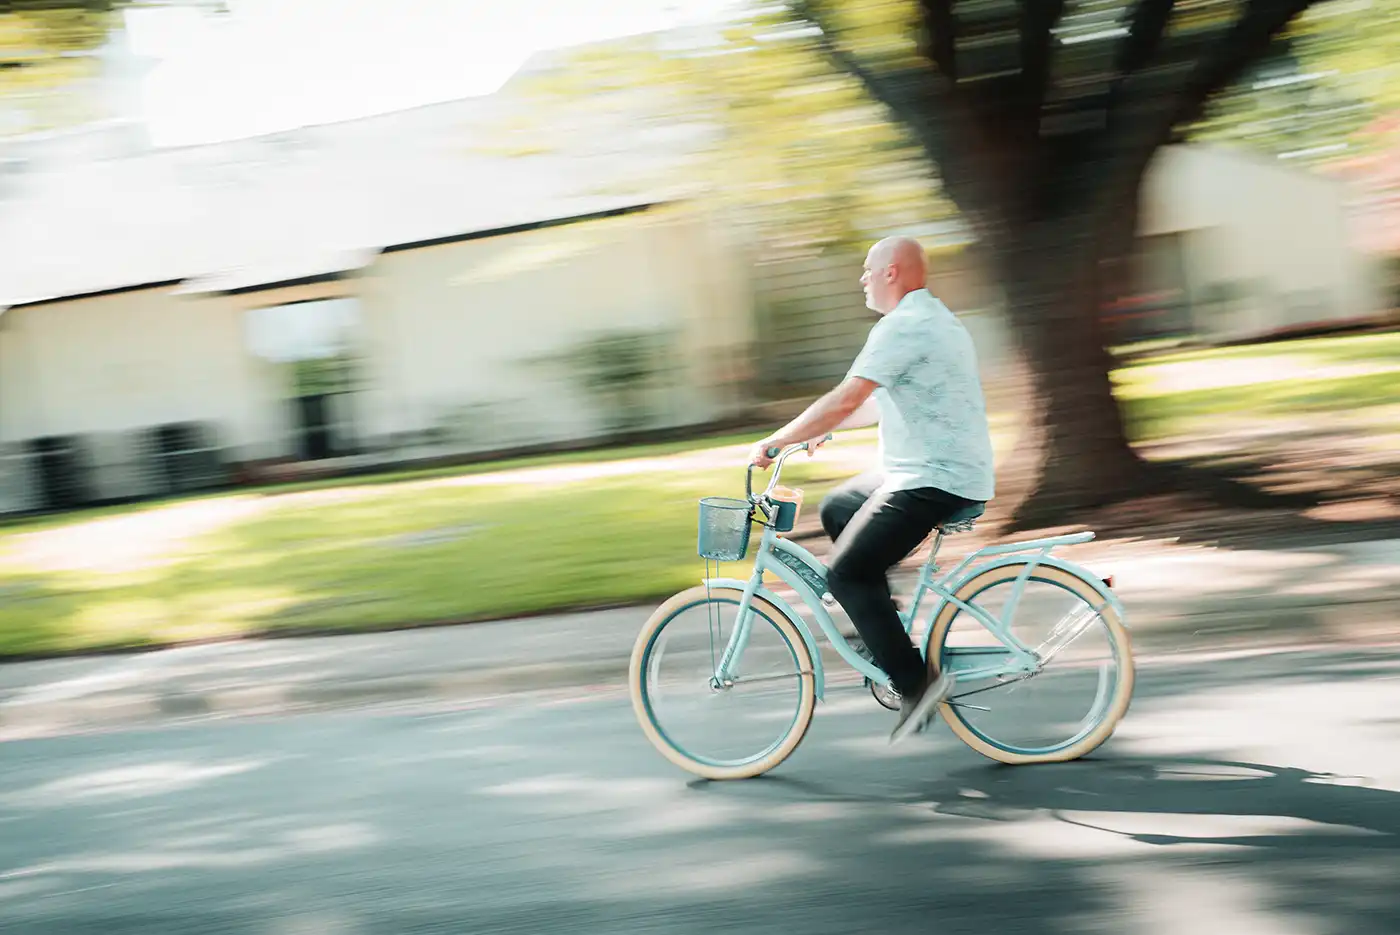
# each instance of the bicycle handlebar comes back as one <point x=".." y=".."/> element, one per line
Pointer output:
<point x="781" y="456"/>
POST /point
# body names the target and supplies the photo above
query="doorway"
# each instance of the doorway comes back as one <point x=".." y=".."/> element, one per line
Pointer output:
<point x="314" y="346"/>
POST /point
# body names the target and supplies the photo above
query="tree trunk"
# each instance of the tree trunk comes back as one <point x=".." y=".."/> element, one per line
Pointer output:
<point x="1073" y="453"/>
<point x="1040" y="149"/>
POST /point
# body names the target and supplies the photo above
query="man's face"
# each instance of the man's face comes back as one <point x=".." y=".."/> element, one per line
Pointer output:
<point x="878" y="281"/>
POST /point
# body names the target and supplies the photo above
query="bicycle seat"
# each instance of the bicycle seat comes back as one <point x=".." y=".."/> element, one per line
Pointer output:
<point x="962" y="520"/>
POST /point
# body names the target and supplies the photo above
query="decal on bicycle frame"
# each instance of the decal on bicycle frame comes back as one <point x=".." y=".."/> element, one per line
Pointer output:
<point x="804" y="571"/>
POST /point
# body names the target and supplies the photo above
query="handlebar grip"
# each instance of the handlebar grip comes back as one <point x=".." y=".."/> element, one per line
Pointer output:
<point x="771" y="453"/>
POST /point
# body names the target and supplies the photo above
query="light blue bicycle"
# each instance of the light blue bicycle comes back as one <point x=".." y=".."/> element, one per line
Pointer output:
<point x="725" y="676"/>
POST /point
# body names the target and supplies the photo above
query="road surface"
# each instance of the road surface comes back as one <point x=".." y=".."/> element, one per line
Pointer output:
<point x="1255" y="796"/>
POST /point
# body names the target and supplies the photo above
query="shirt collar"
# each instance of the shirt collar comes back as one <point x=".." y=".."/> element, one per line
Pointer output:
<point x="917" y="297"/>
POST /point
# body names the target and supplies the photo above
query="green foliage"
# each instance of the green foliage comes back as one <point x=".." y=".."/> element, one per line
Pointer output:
<point x="615" y="360"/>
<point x="314" y="376"/>
<point x="798" y="149"/>
<point x="42" y="59"/>
<point x="790" y="146"/>
<point x="619" y="369"/>
<point x="1336" y="70"/>
<point x="48" y="58"/>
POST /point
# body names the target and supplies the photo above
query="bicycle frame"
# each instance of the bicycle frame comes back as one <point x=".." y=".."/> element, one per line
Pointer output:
<point x="802" y="569"/>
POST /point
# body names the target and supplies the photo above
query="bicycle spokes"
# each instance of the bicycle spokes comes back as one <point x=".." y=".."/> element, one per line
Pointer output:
<point x="1053" y="696"/>
<point x="742" y="703"/>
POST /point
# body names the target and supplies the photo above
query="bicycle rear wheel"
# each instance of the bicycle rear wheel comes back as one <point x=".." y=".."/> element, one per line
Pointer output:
<point x="1086" y="666"/>
<point x="731" y="731"/>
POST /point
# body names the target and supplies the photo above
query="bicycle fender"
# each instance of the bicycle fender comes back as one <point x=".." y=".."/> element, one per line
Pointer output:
<point x="1096" y="582"/>
<point x="818" y="674"/>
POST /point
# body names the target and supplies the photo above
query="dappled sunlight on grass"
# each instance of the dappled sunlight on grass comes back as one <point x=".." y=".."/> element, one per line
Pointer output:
<point x="1347" y="379"/>
<point x="1381" y="347"/>
<point x="137" y="616"/>
<point x="122" y="543"/>
<point x="395" y="554"/>
<point x="1191" y="375"/>
<point x="120" y="620"/>
<point x="220" y="611"/>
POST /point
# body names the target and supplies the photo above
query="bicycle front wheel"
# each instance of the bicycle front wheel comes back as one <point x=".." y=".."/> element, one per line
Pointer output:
<point x="1073" y="699"/>
<point x="736" y="728"/>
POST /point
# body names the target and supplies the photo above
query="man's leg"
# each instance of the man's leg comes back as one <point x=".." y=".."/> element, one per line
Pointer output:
<point x="884" y="531"/>
<point x="840" y="506"/>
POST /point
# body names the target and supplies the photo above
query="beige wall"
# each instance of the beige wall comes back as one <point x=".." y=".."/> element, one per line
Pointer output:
<point x="480" y="323"/>
<point x="708" y="273"/>
<point x="447" y="328"/>
<point x="1278" y="230"/>
<point x="469" y="323"/>
<point x="128" y="361"/>
<point x="108" y="368"/>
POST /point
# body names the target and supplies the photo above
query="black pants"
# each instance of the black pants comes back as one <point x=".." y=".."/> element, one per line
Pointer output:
<point x="871" y="534"/>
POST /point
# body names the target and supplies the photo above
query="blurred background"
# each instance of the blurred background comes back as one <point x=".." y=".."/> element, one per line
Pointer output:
<point x="352" y="320"/>
<point x="276" y="273"/>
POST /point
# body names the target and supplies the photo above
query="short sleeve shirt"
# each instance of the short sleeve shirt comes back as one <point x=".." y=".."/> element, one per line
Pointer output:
<point x="933" y="418"/>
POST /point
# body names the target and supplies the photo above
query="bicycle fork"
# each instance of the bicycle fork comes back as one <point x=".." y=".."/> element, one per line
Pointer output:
<point x="726" y="669"/>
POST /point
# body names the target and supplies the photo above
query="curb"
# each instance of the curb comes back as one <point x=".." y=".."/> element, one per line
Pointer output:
<point x="136" y="707"/>
<point x="1332" y="625"/>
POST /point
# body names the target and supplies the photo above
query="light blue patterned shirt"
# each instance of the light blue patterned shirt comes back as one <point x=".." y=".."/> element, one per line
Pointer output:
<point x="933" y="418"/>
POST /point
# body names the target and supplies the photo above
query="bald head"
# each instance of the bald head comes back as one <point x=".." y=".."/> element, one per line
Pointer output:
<point x="894" y="267"/>
<point x="905" y="254"/>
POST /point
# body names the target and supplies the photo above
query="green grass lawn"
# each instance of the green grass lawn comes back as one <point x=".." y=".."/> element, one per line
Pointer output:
<point x="368" y="555"/>
<point x="510" y="538"/>
<point x="1353" y="378"/>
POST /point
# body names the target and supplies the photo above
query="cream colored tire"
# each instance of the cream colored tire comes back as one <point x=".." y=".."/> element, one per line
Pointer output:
<point x="701" y="595"/>
<point x="1123" y="691"/>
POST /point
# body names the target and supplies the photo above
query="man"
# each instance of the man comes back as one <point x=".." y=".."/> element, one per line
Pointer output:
<point x="920" y="368"/>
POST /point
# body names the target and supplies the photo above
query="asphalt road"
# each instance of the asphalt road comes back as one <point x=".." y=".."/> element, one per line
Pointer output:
<point x="1256" y="796"/>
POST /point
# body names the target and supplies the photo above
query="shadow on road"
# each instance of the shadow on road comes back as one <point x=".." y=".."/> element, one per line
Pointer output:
<point x="1178" y="786"/>
<point x="1152" y="785"/>
<point x="1291" y="844"/>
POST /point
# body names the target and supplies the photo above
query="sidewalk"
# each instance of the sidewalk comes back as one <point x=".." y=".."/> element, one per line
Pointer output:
<point x="1178" y="600"/>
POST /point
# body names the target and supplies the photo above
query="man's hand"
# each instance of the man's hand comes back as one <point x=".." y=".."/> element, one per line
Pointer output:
<point x="758" y="454"/>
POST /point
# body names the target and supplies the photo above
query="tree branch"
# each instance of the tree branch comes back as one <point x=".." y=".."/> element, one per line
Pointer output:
<point x="940" y="39"/>
<point x="924" y="102"/>
<point x="1243" y="43"/>
<point x="1038" y="17"/>
<point x="1149" y="24"/>
<point x="1148" y="106"/>
<point x="893" y="91"/>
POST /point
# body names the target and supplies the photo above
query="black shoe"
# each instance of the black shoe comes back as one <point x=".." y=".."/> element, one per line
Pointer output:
<point x="918" y="710"/>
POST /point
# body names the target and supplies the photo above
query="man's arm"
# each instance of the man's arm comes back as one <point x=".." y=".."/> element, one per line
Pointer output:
<point x="867" y="413"/>
<point x="826" y="414"/>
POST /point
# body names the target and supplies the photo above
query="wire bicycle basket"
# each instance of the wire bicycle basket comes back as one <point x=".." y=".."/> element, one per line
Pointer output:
<point x="724" y="527"/>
